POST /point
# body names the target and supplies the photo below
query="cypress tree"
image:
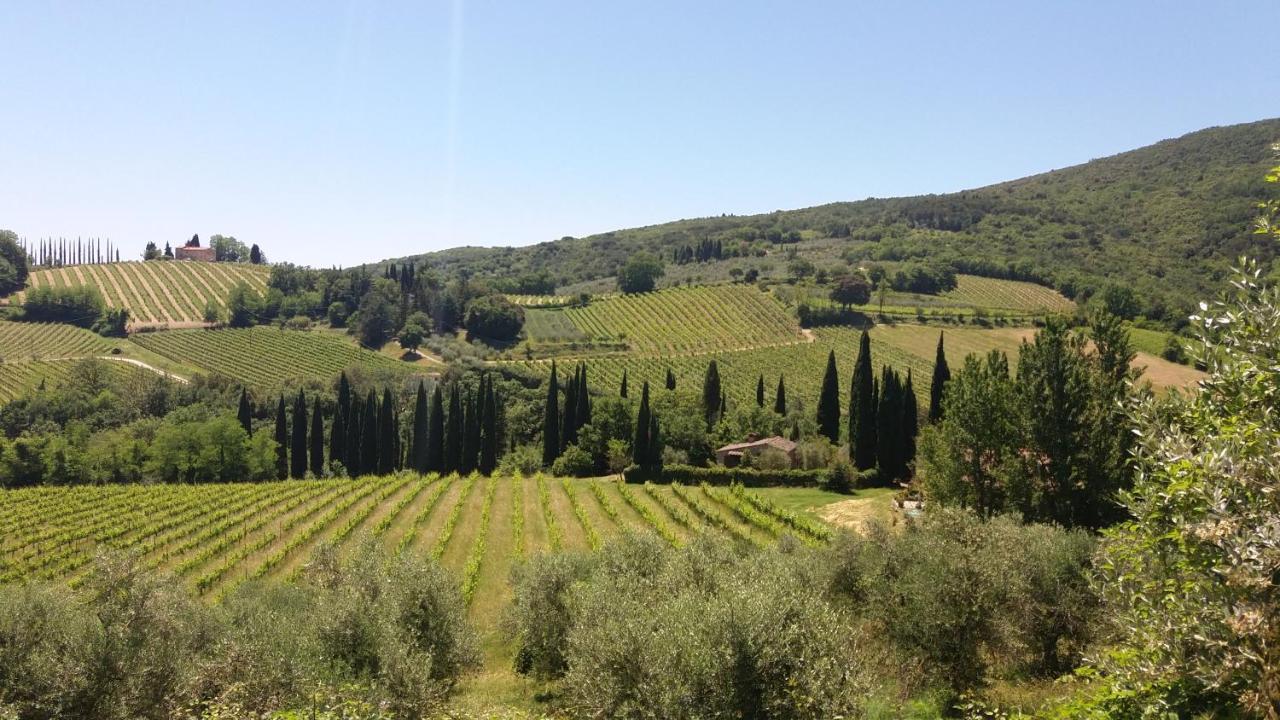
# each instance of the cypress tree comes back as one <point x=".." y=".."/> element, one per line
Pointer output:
<point x="654" y="464"/>
<point x="453" y="431"/>
<point x="341" y="417"/>
<point x="671" y="380"/>
<point x="355" y="436"/>
<point x="640" y="448"/>
<point x="369" y="436"/>
<point x="829" y="401"/>
<point x="388" y="454"/>
<point x="471" y="433"/>
<point x="910" y="420"/>
<point x="711" y="393"/>
<point x="282" y="442"/>
<point x="317" y="441"/>
<point x="760" y="391"/>
<point x="584" y="400"/>
<point x="780" y="398"/>
<point x="569" y="424"/>
<point x="418" y="446"/>
<point x="941" y="374"/>
<point x="889" y="430"/>
<point x="435" y="432"/>
<point x="623" y="391"/>
<point x="489" y="430"/>
<point x="245" y="414"/>
<point x="551" y="417"/>
<point x="862" y="408"/>
<point x="298" y="448"/>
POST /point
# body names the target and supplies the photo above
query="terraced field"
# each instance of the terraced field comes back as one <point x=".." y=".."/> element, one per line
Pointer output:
<point x="40" y="341"/>
<point x="264" y="357"/>
<point x="683" y="320"/>
<point x="157" y="292"/>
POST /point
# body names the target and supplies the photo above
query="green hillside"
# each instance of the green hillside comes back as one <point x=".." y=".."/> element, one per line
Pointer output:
<point x="1165" y="220"/>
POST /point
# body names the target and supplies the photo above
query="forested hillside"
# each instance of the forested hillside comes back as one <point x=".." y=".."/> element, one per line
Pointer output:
<point x="1166" y="220"/>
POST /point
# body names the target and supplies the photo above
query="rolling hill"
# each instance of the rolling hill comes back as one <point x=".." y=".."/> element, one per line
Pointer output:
<point x="1166" y="220"/>
<point x="156" y="293"/>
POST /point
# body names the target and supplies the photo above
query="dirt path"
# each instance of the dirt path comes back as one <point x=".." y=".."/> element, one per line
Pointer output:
<point x="145" y="366"/>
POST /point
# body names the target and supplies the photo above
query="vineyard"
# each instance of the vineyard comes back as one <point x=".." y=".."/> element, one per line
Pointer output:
<point x="541" y="301"/>
<point x="41" y="341"/>
<point x="157" y="292"/>
<point x="264" y="357"/>
<point x="1008" y="295"/>
<point x="19" y="378"/>
<point x="683" y="320"/>
<point x="216" y="536"/>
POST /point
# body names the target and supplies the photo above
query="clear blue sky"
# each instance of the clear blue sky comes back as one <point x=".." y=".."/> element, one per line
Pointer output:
<point x="338" y="133"/>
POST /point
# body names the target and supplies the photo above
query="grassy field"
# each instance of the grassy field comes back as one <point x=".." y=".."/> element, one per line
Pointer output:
<point x="214" y="537"/>
<point x="264" y="357"/>
<point x="157" y="292"/>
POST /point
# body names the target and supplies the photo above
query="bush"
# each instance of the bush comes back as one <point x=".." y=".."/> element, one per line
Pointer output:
<point x="842" y="478"/>
<point x="954" y="596"/>
<point x="524" y="460"/>
<point x="632" y="634"/>
<point x="574" y="462"/>
<point x="707" y="632"/>
<point x="76" y="305"/>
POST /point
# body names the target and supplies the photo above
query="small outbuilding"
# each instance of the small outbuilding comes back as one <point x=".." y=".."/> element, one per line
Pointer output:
<point x="731" y="455"/>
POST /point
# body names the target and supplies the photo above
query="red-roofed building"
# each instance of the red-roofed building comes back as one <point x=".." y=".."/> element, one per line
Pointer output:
<point x="731" y="455"/>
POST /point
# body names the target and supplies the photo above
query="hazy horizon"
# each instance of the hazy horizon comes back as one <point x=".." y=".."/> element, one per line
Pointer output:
<point x="348" y="133"/>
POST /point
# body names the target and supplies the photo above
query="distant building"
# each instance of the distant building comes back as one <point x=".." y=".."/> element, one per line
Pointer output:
<point x="200" y="254"/>
<point x="731" y="455"/>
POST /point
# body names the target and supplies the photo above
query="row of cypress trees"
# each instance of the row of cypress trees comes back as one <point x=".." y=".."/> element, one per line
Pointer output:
<point x="365" y="435"/>
<point x="560" y="430"/>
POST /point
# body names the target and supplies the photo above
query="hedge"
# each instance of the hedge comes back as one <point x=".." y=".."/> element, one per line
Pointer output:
<point x="717" y="475"/>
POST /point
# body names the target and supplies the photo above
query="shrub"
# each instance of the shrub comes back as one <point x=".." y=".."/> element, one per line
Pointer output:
<point x="842" y="477"/>
<point x="707" y="632"/>
<point x="524" y="460"/>
<point x="574" y="462"/>
<point x="717" y="475"/>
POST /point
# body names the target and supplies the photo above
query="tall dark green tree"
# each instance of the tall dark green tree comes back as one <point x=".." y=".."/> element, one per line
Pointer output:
<point x="298" y="446"/>
<point x="584" y="399"/>
<point x="453" y="432"/>
<point x="760" y="391"/>
<point x="654" y="463"/>
<point x="641" y="453"/>
<point x="889" y="433"/>
<point x="780" y="397"/>
<point x="622" y="391"/>
<point x="470" y="432"/>
<point x="569" y="421"/>
<point x="489" y="430"/>
<point x="386" y="463"/>
<point x="435" y="432"/>
<point x="282" y="442"/>
<point x="245" y="413"/>
<point x="369" y="440"/>
<point x="317" y="441"/>
<point x="418" y="445"/>
<point x="910" y="420"/>
<point x="551" y="417"/>
<point x="711" y="393"/>
<point x="862" y="408"/>
<point x="355" y="438"/>
<point x="829" y="401"/>
<point x="341" y="418"/>
<point x="941" y="374"/>
<point x="671" y="380"/>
